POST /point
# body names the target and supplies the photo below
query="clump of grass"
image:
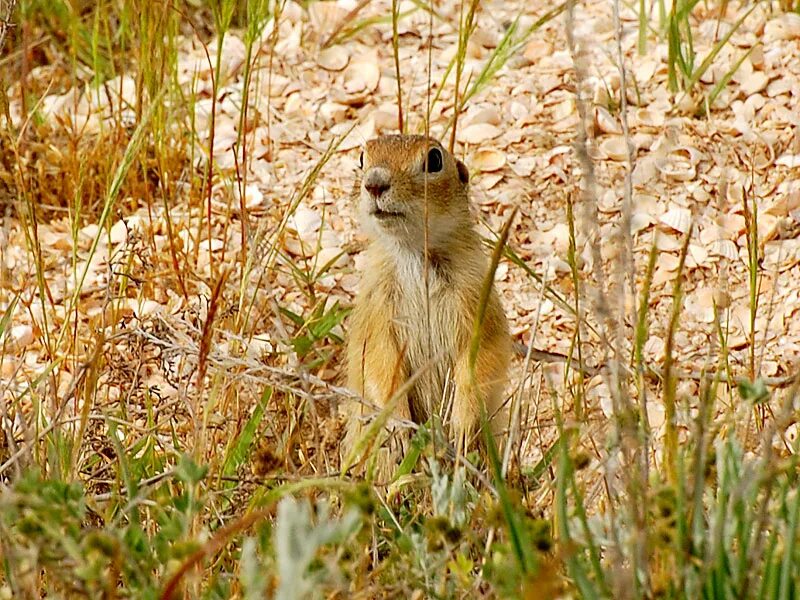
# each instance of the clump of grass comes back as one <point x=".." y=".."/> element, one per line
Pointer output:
<point x="695" y="522"/>
<point x="509" y="45"/>
<point x="683" y="71"/>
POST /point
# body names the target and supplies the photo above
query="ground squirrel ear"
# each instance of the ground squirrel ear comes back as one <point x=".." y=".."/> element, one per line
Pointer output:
<point x="463" y="172"/>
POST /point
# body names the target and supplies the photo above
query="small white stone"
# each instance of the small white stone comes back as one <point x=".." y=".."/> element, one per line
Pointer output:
<point x="119" y="232"/>
<point x="20" y="336"/>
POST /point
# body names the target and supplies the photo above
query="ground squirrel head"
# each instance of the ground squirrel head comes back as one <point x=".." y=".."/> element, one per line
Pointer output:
<point x="398" y="172"/>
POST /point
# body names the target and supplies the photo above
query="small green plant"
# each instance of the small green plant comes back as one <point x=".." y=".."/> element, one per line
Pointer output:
<point x="90" y="548"/>
<point x="315" y="328"/>
<point x="684" y="71"/>
<point x="297" y="539"/>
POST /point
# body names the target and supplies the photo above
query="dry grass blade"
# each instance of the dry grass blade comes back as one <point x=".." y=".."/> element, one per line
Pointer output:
<point x="670" y="379"/>
<point x="345" y="21"/>
<point x="5" y="20"/>
<point x="486" y="290"/>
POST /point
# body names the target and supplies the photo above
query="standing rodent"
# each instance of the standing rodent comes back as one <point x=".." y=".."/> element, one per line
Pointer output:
<point x="393" y="334"/>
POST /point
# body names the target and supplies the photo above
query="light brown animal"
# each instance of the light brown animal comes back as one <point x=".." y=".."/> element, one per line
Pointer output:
<point x="394" y="332"/>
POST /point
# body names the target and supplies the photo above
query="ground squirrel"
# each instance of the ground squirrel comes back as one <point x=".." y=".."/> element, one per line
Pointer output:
<point x="393" y="335"/>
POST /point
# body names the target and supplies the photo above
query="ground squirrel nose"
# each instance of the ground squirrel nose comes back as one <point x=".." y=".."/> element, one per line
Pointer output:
<point x="376" y="189"/>
<point x="376" y="182"/>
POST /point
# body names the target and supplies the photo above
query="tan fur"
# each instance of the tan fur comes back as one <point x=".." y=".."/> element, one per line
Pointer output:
<point x="390" y="339"/>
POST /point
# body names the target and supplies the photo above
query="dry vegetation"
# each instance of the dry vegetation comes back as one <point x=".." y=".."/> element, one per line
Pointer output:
<point x="178" y="253"/>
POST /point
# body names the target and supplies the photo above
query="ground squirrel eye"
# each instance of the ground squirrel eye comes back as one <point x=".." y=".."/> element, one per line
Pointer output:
<point x="361" y="161"/>
<point x="434" y="161"/>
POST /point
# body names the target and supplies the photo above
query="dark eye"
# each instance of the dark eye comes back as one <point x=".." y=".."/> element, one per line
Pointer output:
<point x="361" y="161"/>
<point x="434" y="161"/>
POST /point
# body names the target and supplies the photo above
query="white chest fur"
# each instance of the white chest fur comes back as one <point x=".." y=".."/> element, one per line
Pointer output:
<point x="426" y="325"/>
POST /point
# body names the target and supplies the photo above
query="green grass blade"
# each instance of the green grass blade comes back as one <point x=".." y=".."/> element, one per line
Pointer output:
<point x="240" y="447"/>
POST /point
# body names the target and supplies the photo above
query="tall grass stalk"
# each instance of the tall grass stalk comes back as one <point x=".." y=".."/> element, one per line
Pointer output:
<point x="466" y="27"/>
<point x="258" y="17"/>
<point x="5" y="21"/>
<point x="508" y="46"/>
<point x="519" y="540"/>
<point x="223" y="13"/>
<point x="111" y="199"/>
<point x="750" y="212"/>
<point x="634" y="426"/>
<point x="670" y="378"/>
<point x="643" y="23"/>
<point x="396" y="55"/>
<point x="682" y="72"/>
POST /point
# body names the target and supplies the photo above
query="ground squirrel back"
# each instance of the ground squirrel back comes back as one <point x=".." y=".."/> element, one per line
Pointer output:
<point x="395" y="333"/>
